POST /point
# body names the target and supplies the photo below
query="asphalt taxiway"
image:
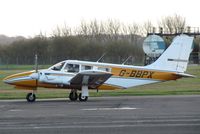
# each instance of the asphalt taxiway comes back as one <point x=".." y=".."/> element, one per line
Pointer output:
<point x="116" y="115"/>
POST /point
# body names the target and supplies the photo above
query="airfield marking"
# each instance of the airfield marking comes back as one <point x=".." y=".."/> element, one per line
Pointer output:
<point x="102" y="109"/>
<point x="15" y="110"/>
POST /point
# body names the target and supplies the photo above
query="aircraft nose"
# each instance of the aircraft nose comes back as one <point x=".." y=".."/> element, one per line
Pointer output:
<point x="7" y="80"/>
<point x="18" y="78"/>
<point x="11" y="78"/>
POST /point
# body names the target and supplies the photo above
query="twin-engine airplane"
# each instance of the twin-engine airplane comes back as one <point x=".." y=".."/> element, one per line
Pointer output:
<point x="82" y="75"/>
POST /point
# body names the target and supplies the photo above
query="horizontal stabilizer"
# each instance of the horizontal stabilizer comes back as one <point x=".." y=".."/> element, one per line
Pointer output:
<point x="186" y="75"/>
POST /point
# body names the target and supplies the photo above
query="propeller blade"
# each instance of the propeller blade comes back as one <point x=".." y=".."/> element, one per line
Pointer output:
<point x="36" y="69"/>
<point x="36" y="63"/>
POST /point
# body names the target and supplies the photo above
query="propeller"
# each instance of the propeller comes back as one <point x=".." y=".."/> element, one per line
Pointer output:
<point x="36" y="63"/>
<point x="35" y="75"/>
<point x="36" y="70"/>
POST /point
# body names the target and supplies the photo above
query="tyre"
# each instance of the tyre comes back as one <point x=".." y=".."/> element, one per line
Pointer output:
<point x="82" y="98"/>
<point x="73" y="96"/>
<point x="31" y="97"/>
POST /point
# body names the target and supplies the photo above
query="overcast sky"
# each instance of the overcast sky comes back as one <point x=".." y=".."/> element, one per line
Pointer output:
<point x="29" y="17"/>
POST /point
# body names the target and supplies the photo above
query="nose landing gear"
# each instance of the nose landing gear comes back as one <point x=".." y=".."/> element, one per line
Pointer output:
<point x="31" y="97"/>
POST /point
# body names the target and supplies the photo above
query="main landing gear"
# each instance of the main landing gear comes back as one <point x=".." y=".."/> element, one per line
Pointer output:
<point x="83" y="96"/>
<point x="73" y="96"/>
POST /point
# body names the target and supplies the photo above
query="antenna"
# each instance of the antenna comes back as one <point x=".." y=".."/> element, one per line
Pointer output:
<point x="126" y="60"/>
<point x="101" y="57"/>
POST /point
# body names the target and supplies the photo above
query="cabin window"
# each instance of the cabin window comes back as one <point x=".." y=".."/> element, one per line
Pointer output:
<point x="58" y="66"/>
<point x="83" y="67"/>
<point x="72" y="68"/>
<point x="104" y="69"/>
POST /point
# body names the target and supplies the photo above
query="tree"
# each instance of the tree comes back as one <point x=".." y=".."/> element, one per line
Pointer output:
<point x="173" y="24"/>
<point x="147" y="27"/>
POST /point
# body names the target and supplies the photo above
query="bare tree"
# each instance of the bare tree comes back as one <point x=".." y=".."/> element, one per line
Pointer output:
<point x="57" y="32"/>
<point x="94" y="28"/>
<point x="113" y="28"/>
<point x="66" y="31"/>
<point x="133" y="31"/>
<point x="147" y="27"/>
<point x="167" y="24"/>
<point x="173" y="24"/>
<point x="84" y="28"/>
<point x="179" y="23"/>
<point x="134" y="28"/>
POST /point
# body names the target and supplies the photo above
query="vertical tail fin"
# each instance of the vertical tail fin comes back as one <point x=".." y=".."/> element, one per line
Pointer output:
<point x="176" y="57"/>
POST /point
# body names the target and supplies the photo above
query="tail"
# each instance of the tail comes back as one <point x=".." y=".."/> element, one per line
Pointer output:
<point x="176" y="57"/>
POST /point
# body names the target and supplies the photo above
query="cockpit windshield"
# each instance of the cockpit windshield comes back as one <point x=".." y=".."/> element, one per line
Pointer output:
<point x="58" y="66"/>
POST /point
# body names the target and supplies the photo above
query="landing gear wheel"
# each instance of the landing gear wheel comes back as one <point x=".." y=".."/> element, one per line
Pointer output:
<point x="30" y="97"/>
<point x="82" y="98"/>
<point x="73" y="96"/>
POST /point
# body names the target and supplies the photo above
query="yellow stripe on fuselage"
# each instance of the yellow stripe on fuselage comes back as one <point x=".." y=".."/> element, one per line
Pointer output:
<point x="19" y="75"/>
<point x="27" y="83"/>
<point x="144" y="74"/>
<point x="108" y="87"/>
<point x="32" y="84"/>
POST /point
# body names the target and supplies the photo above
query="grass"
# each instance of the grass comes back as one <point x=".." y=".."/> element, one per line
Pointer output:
<point x="185" y="86"/>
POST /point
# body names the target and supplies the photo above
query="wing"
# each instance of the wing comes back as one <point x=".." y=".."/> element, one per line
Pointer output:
<point x="91" y="78"/>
